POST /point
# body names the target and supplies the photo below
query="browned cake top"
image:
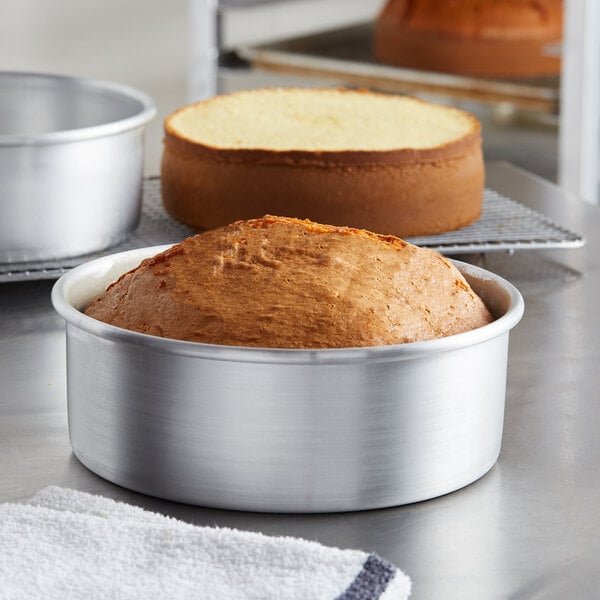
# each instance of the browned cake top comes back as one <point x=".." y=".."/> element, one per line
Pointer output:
<point x="281" y="282"/>
<point x="497" y="19"/>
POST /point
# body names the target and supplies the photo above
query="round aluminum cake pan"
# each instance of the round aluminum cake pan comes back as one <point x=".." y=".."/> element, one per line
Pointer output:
<point x="71" y="164"/>
<point x="283" y="430"/>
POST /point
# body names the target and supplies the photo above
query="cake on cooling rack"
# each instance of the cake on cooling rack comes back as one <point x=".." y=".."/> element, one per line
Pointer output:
<point x="390" y="164"/>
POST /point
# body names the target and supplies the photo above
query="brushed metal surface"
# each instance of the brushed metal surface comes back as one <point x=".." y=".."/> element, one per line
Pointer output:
<point x="71" y="160"/>
<point x="529" y="529"/>
<point x="283" y="430"/>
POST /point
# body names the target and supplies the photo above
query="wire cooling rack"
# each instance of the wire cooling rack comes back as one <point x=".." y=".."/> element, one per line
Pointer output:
<point x="505" y="225"/>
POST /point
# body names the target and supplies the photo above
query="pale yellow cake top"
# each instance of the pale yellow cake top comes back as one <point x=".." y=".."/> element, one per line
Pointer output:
<point x="319" y="120"/>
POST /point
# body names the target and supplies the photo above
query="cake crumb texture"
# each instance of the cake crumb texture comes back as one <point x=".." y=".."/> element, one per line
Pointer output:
<point x="279" y="119"/>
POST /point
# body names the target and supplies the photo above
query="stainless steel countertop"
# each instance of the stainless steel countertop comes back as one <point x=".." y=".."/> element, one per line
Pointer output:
<point x="530" y="528"/>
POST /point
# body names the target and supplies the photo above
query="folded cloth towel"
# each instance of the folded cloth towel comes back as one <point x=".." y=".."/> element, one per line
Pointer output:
<point x="69" y="544"/>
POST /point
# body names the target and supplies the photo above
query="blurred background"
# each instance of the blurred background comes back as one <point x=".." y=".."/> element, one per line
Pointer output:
<point x="184" y="50"/>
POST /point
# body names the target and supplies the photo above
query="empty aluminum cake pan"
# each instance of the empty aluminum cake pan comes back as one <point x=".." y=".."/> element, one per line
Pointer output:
<point x="71" y="164"/>
<point x="283" y="430"/>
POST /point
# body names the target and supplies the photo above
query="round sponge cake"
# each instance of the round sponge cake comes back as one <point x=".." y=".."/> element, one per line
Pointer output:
<point x="490" y="38"/>
<point x="280" y="282"/>
<point x="385" y="163"/>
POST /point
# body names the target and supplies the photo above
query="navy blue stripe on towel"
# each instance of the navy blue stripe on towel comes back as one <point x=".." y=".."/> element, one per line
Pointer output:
<point x="371" y="581"/>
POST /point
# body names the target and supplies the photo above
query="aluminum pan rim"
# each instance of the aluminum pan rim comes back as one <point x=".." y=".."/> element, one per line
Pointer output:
<point x="394" y="352"/>
<point x="145" y="115"/>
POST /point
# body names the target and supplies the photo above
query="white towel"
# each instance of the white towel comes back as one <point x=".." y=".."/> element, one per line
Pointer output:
<point x="69" y="544"/>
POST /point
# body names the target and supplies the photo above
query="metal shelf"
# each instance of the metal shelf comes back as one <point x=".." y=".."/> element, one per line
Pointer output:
<point x="345" y="56"/>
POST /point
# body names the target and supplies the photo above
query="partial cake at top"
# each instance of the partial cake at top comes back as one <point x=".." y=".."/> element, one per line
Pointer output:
<point x="495" y="38"/>
<point x="286" y="283"/>
<point x="386" y="163"/>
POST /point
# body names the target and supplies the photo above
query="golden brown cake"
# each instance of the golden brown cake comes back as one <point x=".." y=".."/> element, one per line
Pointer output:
<point x="278" y="282"/>
<point x="493" y="38"/>
<point x="385" y="163"/>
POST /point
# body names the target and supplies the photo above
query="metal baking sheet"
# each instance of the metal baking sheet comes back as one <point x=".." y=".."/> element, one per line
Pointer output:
<point x="505" y="225"/>
<point x="345" y="56"/>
